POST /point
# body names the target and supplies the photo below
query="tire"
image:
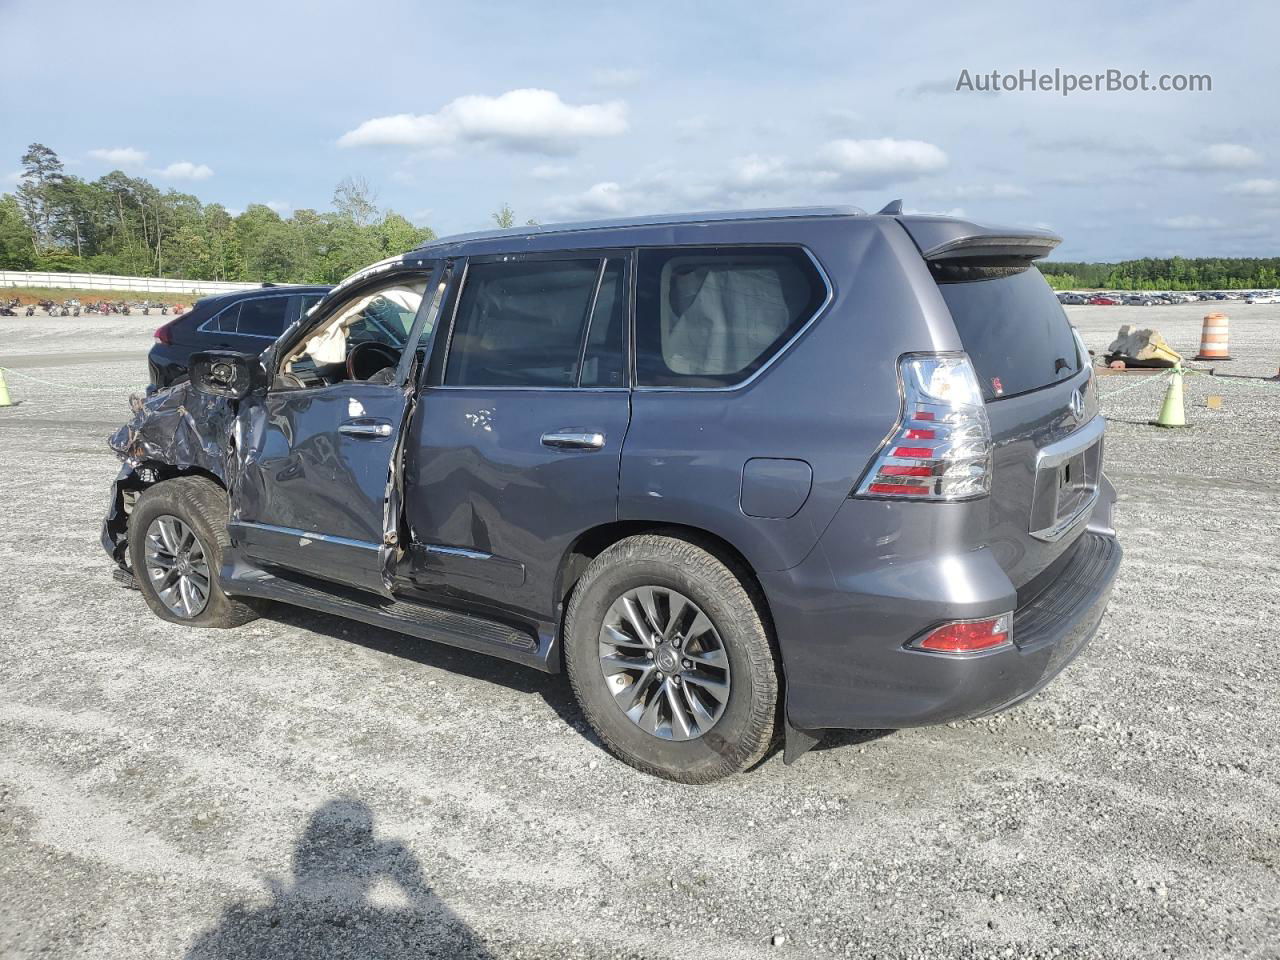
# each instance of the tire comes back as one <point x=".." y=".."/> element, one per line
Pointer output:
<point x="200" y="506"/>
<point x="735" y="739"/>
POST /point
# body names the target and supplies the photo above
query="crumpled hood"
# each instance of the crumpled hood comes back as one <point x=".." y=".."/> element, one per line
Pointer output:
<point x="177" y="426"/>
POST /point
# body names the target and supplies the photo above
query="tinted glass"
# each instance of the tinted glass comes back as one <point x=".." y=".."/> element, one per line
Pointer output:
<point x="224" y="322"/>
<point x="1012" y="327"/>
<point x="520" y="324"/>
<point x="711" y="317"/>
<point x="306" y="301"/>
<point x="263" y="317"/>
<point x="602" y="362"/>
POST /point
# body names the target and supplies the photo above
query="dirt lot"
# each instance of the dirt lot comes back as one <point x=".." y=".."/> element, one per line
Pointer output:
<point x="306" y="787"/>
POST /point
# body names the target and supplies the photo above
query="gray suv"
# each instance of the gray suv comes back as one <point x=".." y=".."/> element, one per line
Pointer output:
<point x="738" y="474"/>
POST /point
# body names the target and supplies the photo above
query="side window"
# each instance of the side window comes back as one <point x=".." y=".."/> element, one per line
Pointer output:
<point x="306" y="301"/>
<point x="521" y="323"/>
<point x="263" y="317"/>
<point x="225" y="322"/>
<point x="603" y="358"/>
<point x="359" y="338"/>
<point x="712" y="316"/>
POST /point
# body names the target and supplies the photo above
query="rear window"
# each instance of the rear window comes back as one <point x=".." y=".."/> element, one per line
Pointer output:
<point x="1012" y="327"/>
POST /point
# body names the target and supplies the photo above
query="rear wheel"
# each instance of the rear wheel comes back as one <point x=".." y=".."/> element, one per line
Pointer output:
<point x="177" y="532"/>
<point x="671" y="660"/>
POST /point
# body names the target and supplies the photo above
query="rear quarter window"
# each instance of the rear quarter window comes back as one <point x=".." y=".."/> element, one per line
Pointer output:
<point x="713" y="316"/>
<point x="1012" y="327"/>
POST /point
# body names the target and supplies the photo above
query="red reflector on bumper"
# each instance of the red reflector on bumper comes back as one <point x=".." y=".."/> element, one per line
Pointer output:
<point x="967" y="636"/>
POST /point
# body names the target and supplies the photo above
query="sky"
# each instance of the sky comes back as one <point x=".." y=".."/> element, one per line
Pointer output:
<point x="570" y="111"/>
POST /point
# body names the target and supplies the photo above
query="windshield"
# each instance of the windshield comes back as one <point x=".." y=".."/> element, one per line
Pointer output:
<point x="1013" y="329"/>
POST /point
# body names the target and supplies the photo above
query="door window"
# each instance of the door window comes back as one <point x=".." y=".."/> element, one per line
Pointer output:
<point x="603" y="358"/>
<point x="224" y="322"/>
<point x="362" y="338"/>
<point x="521" y="323"/>
<point x="263" y="317"/>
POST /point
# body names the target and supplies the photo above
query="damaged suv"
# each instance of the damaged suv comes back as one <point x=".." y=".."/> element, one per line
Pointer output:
<point x="736" y="473"/>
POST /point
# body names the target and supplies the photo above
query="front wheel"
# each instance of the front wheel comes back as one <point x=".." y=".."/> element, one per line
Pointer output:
<point x="177" y="532"/>
<point x="670" y="657"/>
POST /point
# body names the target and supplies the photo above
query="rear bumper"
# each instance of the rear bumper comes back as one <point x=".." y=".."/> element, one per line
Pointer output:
<point x="845" y="662"/>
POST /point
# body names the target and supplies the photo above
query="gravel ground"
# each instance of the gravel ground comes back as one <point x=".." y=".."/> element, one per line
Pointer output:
<point x="306" y="787"/>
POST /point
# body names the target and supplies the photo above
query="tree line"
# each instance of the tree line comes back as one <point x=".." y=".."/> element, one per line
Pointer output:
<point x="120" y="224"/>
<point x="1173" y="273"/>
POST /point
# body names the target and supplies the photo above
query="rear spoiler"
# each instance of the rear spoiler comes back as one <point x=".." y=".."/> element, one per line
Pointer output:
<point x="948" y="239"/>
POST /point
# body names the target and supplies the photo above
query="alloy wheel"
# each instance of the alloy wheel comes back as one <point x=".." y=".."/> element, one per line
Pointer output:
<point x="664" y="663"/>
<point x="177" y="566"/>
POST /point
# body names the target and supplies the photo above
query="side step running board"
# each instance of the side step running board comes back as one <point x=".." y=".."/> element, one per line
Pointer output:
<point x="418" y="620"/>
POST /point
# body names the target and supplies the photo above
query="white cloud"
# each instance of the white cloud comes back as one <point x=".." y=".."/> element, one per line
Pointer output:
<point x="1190" y="221"/>
<point x="536" y="121"/>
<point x="280" y="207"/>
<point x="617" y="77"/>
<point x="549" y="171"/>
<point x="1217" y="156"/>
<point x="1258" y="187"/>
<point x="994" y="191"/>
<point x="185" y="170"/>
<point x="875" y="163"/>
<point x="605" y="197"/>
<point x="124" y="157"/>
<point x="756" y="172"/>
<point x="953" y="212"/>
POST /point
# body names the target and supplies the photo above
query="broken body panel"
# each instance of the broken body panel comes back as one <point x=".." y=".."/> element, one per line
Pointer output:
<point x="456" y="509"/>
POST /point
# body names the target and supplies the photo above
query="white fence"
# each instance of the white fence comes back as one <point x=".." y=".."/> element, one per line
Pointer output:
<point x="102" y="281"/>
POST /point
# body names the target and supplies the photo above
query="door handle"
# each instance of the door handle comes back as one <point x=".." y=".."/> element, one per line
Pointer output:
<point x="372" y="429"/>
<point x="574" y="439"/>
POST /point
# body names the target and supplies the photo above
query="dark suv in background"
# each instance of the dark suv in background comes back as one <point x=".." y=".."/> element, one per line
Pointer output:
<point x="734" y="472"/>
<point x="247" y="321"/>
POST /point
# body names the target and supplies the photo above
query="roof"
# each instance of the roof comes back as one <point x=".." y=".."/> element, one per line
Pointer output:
<point x="652" y="220"/>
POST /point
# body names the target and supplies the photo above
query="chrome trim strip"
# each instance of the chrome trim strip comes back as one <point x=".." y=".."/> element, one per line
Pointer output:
<point x="1055" y="454"/>
<point x="308" y="534"/>
<point x="457" y="552"/>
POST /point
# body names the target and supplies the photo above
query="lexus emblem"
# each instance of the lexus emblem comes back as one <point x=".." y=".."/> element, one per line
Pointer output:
<point x="1077" y="404"/>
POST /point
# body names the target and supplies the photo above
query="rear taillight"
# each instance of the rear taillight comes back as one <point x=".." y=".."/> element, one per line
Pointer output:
<point x="940" y="449"/>
<point x="967" y="636"/>
<point x="164" y="334"/>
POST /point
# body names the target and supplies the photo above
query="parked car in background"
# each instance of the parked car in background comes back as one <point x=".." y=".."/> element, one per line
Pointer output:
<point x="732" y="471"/>
<point x="247" y="321"/>
<point x="1137" y="300"/>
<point x="1073" y="299"/>
<point x="1099" y="300"/>
<point x="1262" y="298"/>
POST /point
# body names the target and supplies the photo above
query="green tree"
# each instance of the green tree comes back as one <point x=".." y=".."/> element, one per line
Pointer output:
<point x="504" y="216"/>
<point x="354" y="198"/>
<point x="17" y="252"/>
<point x="41" y="176"/>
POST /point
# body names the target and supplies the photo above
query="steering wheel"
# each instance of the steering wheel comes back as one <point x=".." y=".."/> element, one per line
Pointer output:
<point x="366" y="359"/>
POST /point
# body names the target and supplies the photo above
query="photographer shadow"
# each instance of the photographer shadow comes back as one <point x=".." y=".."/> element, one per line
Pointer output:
<point x="352" y="895"/>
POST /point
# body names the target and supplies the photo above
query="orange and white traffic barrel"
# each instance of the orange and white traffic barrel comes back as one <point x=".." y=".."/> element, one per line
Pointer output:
<point x="1213" y="338"/>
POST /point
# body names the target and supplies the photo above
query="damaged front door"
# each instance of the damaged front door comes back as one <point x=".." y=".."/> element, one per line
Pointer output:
<point x="316" y="492"/>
